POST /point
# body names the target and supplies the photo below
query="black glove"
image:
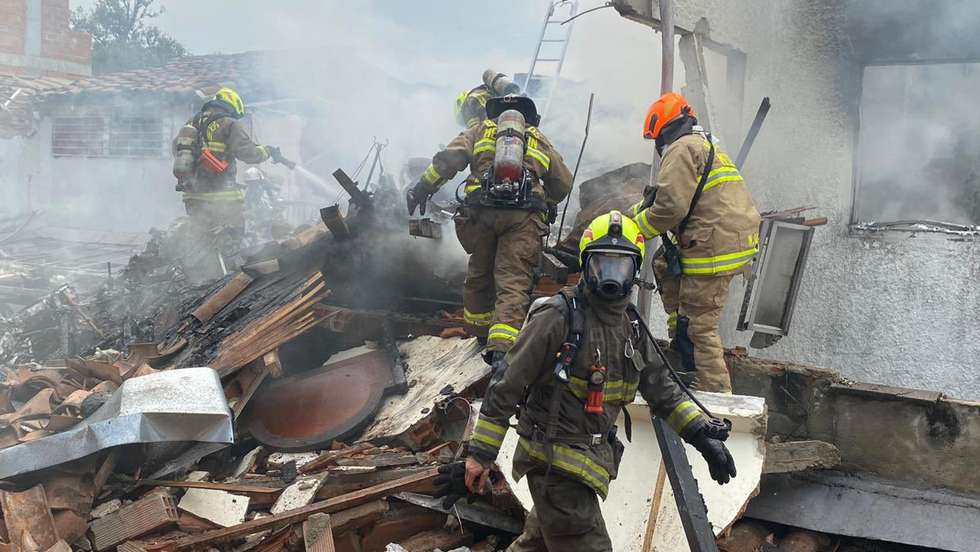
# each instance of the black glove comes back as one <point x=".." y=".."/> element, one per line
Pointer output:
<point x="418" y="196"/>
<point x="715" y="453"/>
<point x="451" y="484"/>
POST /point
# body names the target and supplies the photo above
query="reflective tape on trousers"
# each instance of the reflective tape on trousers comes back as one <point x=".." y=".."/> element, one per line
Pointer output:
<point x="718" y="263"/>
<point x="571" y="462"/>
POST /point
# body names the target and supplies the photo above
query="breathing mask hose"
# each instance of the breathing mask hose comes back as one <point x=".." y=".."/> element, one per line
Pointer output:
<point x="713" y="420"/>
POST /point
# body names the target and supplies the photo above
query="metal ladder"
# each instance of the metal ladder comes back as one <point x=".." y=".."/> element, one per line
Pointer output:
<point x="550" y="53"/>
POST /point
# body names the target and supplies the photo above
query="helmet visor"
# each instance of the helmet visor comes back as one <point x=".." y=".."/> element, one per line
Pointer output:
<point x="611" y="275"/>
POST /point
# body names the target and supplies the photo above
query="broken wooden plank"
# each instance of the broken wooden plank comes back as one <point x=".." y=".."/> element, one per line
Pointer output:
<point x="221" y="298"/>
<point x="147" y="515"/>
<point x="358" y="516"/>
<point x="341" y="482"/>
<point x="796" y="456"/>
<point x="318" y="534"/>
<point x="28" y="517"/>
<point x="330" y="457"/>
<point x="228" y="487"/>
<point x="332" y="505"/>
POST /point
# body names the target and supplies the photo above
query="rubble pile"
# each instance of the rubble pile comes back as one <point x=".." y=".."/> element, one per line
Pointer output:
<point x="114" y="436"/>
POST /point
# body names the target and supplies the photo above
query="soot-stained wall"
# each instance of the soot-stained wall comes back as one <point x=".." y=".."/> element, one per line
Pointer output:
<point x="891" y="308"/>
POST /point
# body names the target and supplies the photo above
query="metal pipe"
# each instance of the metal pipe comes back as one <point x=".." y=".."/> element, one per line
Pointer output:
<point x="644" y="296"/>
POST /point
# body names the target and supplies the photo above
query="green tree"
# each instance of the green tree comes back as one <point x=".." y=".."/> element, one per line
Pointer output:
<point x="122" y="37"/>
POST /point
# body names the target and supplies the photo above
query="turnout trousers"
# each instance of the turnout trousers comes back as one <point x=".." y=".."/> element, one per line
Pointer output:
<point x="565" y="518"/>
<point x="504" y="247"/>
<point x="700" y="299"/>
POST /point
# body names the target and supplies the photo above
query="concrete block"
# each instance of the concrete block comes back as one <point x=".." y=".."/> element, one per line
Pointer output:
<point x="220" y="507"/>
<point x="299" y="494"/>
<point x="247" y="463"/>
<point x="106" y="508"/>
<point x="277" y="460"/>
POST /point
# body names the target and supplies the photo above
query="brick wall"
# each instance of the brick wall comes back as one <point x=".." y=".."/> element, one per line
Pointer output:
<point x="13" y="21"/>
<point x="57" y="40"/>
<point x="58" y="51"/>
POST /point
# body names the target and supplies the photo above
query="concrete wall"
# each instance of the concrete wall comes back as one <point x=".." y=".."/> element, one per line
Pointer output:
<point x="131" y="194"/>
<point x="893" y="309"/>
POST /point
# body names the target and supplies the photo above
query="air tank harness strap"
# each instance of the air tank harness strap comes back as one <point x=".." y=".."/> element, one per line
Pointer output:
<point x="565" y="358"/>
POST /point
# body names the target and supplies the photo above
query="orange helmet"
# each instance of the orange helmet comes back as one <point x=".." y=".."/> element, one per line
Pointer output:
<point x="667" y="108"/>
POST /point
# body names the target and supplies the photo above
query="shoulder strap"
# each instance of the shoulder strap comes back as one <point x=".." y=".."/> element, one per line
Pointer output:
<point x="701" y="183"/>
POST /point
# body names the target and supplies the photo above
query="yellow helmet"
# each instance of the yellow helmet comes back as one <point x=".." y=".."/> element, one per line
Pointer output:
<point x="230" y="100"/>
<point x="612" y="232"/>
<point x="611" y="251"/>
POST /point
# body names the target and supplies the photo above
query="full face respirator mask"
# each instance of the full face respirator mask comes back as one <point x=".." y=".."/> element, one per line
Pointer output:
<point x="610" y="275"/>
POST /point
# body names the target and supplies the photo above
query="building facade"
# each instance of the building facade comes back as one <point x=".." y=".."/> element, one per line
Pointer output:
<point x="867" y="126"/>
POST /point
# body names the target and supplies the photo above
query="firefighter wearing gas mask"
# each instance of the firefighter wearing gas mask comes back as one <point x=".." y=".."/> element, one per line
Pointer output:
<point x="471" y="105"/>
<point x="516" y="180"/>
<point x="578" y="362"/>
<point x="709" y="226"/>
<point x="205" y="153"/>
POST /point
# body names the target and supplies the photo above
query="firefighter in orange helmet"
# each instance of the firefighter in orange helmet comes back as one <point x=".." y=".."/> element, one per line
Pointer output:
<point x="702" y="209"/>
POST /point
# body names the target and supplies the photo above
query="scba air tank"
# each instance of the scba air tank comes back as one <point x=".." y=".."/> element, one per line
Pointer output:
<point x="184" y="152"/>
<point x="508" y="161"/>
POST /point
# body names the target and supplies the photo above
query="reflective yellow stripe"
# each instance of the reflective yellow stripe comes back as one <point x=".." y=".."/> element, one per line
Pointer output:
<point x="473" y="122"/>
<point x="226" y="195"/>
<point x="489" y="433"/>
<point x="635" y="209"/>
<point x="572" y="462"/>
<point x="683" y="414"/>
<point x="539" y="156"/>
<point x="721" y="179"/>
<point x="478" y="318"/>
<point x="643" y="221"/>
<point x="505" y="332"/>
<point x="672" y="321"/>
<point x="470" y="188"/>
<point x="615" y="390"/>
<point x="218" y="147"/>
<point x="431" y="175"/>
<point x="717" y="264"/>
<point x="484" y="145"/>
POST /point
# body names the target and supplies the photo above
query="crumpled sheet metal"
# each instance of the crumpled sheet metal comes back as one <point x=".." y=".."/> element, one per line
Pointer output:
<point x="169" y="406"/>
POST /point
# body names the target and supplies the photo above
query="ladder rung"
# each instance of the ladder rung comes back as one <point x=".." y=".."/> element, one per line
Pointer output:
<point x="547" y="59"/>
<point x="554" y="40"/>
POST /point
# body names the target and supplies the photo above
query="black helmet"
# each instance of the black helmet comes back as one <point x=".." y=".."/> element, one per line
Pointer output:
<point x="496" y="106"/>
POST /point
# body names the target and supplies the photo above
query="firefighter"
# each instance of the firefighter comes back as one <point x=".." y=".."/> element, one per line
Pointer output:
<point x="503" y="219"/>
<point x="568" y="407"/>
<point x="471" y="105"/>
<point x="702" y="201"/>
<point x="205" y="154"/>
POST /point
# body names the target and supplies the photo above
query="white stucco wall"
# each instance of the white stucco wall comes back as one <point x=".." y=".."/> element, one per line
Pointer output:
<point x="125" y="194"/>
<point x="897" y="310"/>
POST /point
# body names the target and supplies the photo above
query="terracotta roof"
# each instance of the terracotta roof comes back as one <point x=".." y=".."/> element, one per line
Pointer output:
<point x="183" y="76"/>
<point x="15" y="116"/>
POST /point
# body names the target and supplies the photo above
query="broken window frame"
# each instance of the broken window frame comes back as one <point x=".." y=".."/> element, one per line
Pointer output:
<point x="88" y="135"/>
<point x="755" y="286"/>
<point x="858" y="227"/>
